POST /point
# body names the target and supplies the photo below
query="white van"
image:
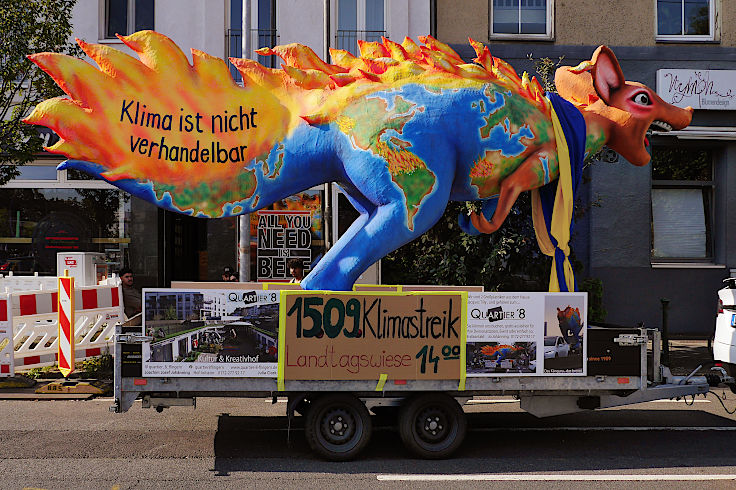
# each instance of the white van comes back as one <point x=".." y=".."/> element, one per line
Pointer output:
<point x="724" y="339"/>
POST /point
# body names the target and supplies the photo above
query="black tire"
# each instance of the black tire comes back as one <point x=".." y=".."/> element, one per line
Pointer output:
<point x="432" y="425"/>
<point x="338" y="426"/>
<point x="300" y="406"/>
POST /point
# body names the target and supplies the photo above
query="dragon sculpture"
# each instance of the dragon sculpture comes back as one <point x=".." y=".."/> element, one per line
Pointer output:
<point x="403" y="129"/>
<point x="570" y="325"/>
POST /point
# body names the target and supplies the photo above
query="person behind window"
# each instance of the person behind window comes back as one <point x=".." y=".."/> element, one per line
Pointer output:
<point x="228" y="274"/>
<point x="132" y="302"/>
<point x="296" y="269"/>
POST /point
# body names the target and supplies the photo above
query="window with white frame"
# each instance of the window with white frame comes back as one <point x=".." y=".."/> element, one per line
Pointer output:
<point x="359" y="19"/>
<point x="686" y="20"/>
<point x="128" y="16"/>
<point x="528" y="19"/>
<point x="682" y="200"/>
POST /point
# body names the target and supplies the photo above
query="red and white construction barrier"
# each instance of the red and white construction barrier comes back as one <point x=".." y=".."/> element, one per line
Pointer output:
<point x="6" y="337"/>
<point x="36" y="329"/>
<point x="65" y="354"/>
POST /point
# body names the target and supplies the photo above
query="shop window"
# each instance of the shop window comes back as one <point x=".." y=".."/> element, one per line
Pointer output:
<point x="128" y="16"/>
<point x="37" y="223"/>
<point x="522" y="19"/>
<point x="359" y="20"/>
<point x="686" y="20"/>
<point x="682" y="200"/>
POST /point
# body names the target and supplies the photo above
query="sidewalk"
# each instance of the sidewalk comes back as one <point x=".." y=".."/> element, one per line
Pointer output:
<point x="686" y="355"/>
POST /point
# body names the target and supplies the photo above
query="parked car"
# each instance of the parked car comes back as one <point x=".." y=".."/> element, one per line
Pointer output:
<point x="724" y="339"/>
<point x="555" y="346"/>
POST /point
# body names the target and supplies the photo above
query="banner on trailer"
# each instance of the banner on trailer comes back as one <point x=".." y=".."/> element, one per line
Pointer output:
<point x="372" y="336"/>
<point x="517" y="334"/>
<point x="211" y="332"/>
<point x="6" y="337"/>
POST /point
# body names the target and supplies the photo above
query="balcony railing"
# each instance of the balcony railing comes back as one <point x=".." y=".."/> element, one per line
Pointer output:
<point x="347" y="39"/>
<point x="260" y="38"/>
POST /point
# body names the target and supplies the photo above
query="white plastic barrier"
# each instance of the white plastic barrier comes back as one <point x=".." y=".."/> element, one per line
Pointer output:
<point x="6" y="337"/>
<point x="11" y="283"/>
<point x="35" y="323"/>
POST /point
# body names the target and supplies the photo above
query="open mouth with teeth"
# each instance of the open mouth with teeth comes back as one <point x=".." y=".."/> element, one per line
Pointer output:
<point x="658" y="126"/>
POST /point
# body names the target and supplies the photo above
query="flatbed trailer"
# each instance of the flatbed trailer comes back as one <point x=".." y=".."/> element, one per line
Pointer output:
<point x="428" y="413"/>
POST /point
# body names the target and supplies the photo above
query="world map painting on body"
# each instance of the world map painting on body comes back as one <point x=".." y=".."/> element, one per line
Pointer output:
<point x="403" y="129"/>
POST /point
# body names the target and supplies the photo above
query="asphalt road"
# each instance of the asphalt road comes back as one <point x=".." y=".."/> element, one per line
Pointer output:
<point x="237" y="443"/>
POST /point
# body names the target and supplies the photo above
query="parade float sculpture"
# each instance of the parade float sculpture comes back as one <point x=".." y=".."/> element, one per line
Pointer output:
<point x="570" y="324"/>
<point x="500" y="352"/>
<point x="403" y="129"/>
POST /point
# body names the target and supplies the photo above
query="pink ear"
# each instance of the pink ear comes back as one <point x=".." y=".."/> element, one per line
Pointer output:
<point x="607" y="74"/>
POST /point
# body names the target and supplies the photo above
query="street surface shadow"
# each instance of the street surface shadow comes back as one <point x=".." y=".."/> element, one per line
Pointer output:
<point x="685" y="358"/>
<point x="496" y="443"/>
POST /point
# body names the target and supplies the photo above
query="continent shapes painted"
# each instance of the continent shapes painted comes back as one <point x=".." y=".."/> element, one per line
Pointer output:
<point x="508" y="137"/>
<point x="208" y="199"/>
<point x="211" y="199"/>
<point x="371" y="126"/>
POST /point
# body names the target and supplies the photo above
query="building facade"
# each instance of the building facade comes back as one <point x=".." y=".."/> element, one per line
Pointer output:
<point x="663" y="231"/>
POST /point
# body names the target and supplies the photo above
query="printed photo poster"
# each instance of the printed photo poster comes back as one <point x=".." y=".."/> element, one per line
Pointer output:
<point x="565" y="345"/>
<point x="210" y="333"/>
<point x="532" y="334"/>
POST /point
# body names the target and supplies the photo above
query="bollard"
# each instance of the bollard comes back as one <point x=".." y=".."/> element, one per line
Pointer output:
<point x="665" y="332"/>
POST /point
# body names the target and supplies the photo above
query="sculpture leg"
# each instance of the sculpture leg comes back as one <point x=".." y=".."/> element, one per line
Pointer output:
<point x="379" y="230"/>
<point x="533" y="173"/>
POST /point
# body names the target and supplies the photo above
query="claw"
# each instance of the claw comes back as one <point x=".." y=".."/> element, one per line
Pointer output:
<point x="482" y="224"/>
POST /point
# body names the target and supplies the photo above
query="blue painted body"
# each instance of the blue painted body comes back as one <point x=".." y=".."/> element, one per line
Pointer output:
<point x="445" y="135"/>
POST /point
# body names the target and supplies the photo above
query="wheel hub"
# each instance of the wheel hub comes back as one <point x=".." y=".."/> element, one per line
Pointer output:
<point x="432" y="425"/>
<point x="338" y="426"/>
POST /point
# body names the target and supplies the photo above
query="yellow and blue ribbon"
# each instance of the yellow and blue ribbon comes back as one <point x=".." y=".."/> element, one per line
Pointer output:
<point x="552" y="204"/>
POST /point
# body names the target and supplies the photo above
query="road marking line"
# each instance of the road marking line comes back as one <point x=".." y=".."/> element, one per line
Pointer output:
<point x="681" y="401"/>
<point x="480" y="402"/>
<point x="554" y="477"/>
<point x="484" y="402"/>
<point x="603" y="429"/>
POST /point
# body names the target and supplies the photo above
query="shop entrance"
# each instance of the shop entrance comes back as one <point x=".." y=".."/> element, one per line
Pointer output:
<point x="183" y="248"/>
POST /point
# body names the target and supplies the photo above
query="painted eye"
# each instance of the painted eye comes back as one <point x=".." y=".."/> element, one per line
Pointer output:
<point x="642" y="99"/>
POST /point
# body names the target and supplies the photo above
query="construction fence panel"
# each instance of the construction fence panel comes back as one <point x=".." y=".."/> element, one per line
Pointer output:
<point x="36" y="324"/>
<point x="6" y="337"/>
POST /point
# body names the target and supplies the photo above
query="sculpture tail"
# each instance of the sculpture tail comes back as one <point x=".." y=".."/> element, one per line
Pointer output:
<point x="167" y="130"/>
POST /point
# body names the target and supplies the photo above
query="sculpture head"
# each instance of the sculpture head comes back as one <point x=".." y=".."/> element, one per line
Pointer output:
<point x="626" y="110"/>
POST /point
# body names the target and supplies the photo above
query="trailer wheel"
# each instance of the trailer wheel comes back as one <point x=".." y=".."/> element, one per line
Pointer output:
<point x="338" y="426"/>
<point x="432" y="425"/>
